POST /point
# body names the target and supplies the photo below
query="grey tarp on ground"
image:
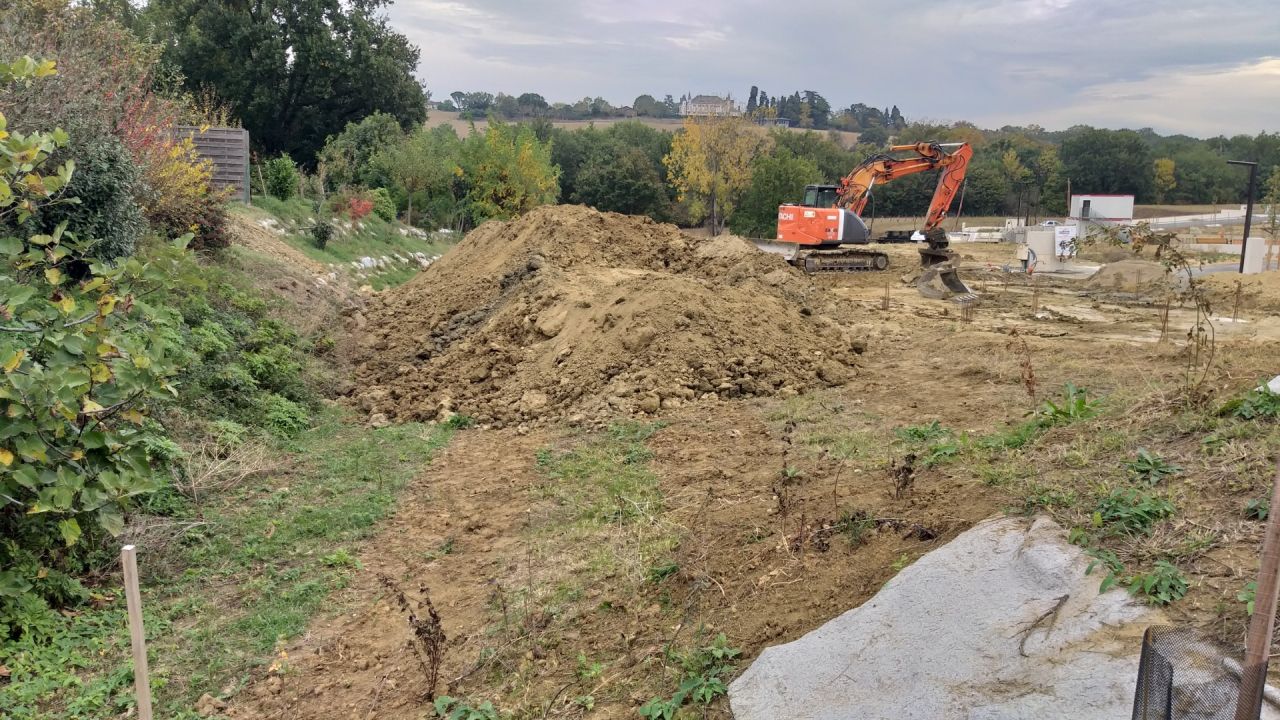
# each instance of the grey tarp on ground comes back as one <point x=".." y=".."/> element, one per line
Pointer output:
<point x="968" y="631"/>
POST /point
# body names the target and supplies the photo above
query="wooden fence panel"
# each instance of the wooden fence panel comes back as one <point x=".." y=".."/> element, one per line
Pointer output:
<point x="228" y="150"/>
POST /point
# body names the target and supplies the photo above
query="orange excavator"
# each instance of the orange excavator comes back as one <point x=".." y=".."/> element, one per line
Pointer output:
<point x="815" y="234"/>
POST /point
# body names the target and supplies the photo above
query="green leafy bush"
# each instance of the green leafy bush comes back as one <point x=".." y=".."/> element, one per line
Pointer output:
<point x="83" y="355"/>
<point x="1151" y="468"/>
<point x="282" y="415"/>
<point x="383" y="206"/>
<point x="281" y="177"/>
<point x="1075" y="405"/>
<point x="1254" y="405"/>
<point x="1162" y="585"/>
<point x="456" y="709"/>
<point x="104" y="184"/>
<point x="321" y="233"/>
<point x="1132" y="511"/>
<point x="702" y="679"/>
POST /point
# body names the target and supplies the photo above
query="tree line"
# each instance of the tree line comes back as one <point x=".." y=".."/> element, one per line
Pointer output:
<point x="802" y="108"/>
<point x="297" y="72"/>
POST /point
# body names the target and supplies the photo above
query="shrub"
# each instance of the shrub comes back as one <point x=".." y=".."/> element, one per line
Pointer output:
<point x="321" y="233"/>
<point x="1130" y="510"/>
<point x="105" y="183"/>
<point x="383" y="206"/>
<point x="359" y="207"/>
<point x="1162" y="585"/>
<point x="281" y="177"/>
<point x="282" y="416"/>
<point x="79" y="362"/>
<point x="1255" y="404"/>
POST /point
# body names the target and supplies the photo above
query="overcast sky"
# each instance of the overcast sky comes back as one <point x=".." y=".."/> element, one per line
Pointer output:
<point x="1201" y="68"/>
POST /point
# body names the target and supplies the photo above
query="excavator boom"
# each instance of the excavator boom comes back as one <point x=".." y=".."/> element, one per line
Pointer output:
<point x="855" y="188"/>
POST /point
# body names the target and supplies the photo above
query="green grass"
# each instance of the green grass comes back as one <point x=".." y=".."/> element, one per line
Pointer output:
<point x="374" y="238"/>
<point x="607" y="480"/>
<point x="266" y="560"/>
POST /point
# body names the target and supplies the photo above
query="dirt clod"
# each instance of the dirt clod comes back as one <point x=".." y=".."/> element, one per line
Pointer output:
<point x="570" y="311"/>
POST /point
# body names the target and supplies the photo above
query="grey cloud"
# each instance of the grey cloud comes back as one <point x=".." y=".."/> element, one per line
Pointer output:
<point x="991" y="60"/>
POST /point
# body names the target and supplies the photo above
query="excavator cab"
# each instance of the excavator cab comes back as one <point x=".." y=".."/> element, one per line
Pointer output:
<point x="820" y="196"/>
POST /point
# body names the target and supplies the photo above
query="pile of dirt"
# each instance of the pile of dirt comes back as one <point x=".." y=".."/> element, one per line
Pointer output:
<point x="1257" y="292"/>
<point x="569" y="312"/>
<point x="1132" y="275"/>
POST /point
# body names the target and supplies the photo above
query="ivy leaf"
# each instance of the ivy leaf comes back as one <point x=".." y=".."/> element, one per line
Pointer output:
<point x="53" y="275"/>
<point x="70" y="530"/>
<point x="6" y="457"/>
<point x="100" y="373"/>
<point x="14" y="361"/>
<point x="8" y="245"/>
<point x="91" y="407"/>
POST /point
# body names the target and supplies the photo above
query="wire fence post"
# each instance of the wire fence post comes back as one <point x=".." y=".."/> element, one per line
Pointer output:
<point x="133" y="598"/>
<point x="1253" y="677"/>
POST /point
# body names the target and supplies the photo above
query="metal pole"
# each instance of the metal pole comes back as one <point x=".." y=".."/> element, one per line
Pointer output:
<point x="1248" y="212"/>
<point x="1253" y="678"/>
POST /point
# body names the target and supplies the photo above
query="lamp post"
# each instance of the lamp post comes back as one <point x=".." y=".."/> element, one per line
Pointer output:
<point x="1248" y="212"/>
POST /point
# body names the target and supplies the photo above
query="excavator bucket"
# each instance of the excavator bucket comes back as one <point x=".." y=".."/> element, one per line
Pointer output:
<point x="938" y="278"/>
<point x="787" y="250"/>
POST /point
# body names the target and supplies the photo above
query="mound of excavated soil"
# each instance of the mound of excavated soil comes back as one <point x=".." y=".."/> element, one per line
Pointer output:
<point x="568" y="311"/>
<point x="1132" y="275"/>
<point x="1257" y="292"/>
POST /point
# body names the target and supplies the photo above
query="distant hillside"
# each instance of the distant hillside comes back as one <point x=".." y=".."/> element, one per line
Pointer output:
<point x="442" y="117"/>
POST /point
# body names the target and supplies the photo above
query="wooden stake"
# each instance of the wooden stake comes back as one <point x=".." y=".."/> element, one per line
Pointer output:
<point x="885" y="304"/>
<point x="1235" y="312"/>
<point x="133" y="598"/>
<point x="1164" y="322"/>
<point x="1253" y="678"/>
<point x="1035" y="295"/>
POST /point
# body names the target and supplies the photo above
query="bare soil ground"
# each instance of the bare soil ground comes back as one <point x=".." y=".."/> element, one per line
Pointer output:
<point x="572" y="564"/>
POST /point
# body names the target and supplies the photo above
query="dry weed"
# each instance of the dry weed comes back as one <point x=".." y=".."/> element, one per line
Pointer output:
<point x="213" y="468"/>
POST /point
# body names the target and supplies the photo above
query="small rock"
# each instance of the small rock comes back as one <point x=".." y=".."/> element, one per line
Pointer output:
<point x="533" y="400"/>
<point x="379" y="420"/>
<point x="639" y="338"/>
<point x="650" y="403"/>
<point x="536" y="262"/>
<point x="208" y="705"/>
<point x="550" y="324"/>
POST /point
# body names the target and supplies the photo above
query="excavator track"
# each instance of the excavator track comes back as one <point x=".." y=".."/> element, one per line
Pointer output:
<point x="842" y="261"/>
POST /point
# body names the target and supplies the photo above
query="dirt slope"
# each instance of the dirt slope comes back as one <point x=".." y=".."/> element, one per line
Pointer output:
<point x="571" y="312"/>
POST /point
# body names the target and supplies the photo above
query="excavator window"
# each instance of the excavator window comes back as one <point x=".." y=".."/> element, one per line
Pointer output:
<point x="820" y="196"/>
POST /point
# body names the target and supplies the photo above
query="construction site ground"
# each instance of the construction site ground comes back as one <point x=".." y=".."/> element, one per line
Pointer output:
<point x="575" y="561"/>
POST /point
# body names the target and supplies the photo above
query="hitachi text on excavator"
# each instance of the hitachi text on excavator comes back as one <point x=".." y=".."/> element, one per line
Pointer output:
<point x="815" y="234"/>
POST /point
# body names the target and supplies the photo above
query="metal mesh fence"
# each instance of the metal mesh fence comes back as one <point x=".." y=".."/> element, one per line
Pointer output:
<point x="1182" y="676"/>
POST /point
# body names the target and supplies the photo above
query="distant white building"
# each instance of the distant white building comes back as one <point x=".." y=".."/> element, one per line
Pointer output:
<point x="712" y="105"/>
<point x="1114" y="209"/>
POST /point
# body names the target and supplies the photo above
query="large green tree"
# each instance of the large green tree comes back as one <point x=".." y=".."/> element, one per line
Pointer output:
<point x="425" y="162"/>
<point x="1108" y="161"/>
<point x="293" y="70"/>
<point x="775" y="179"/>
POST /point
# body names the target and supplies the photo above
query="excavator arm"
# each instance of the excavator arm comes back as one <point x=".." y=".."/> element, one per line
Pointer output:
<point x="855" y="188"/>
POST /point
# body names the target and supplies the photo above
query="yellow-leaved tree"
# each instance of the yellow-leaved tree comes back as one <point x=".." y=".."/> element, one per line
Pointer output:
<point x="1165" y="178"/>
<point x="710" y="164"/>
